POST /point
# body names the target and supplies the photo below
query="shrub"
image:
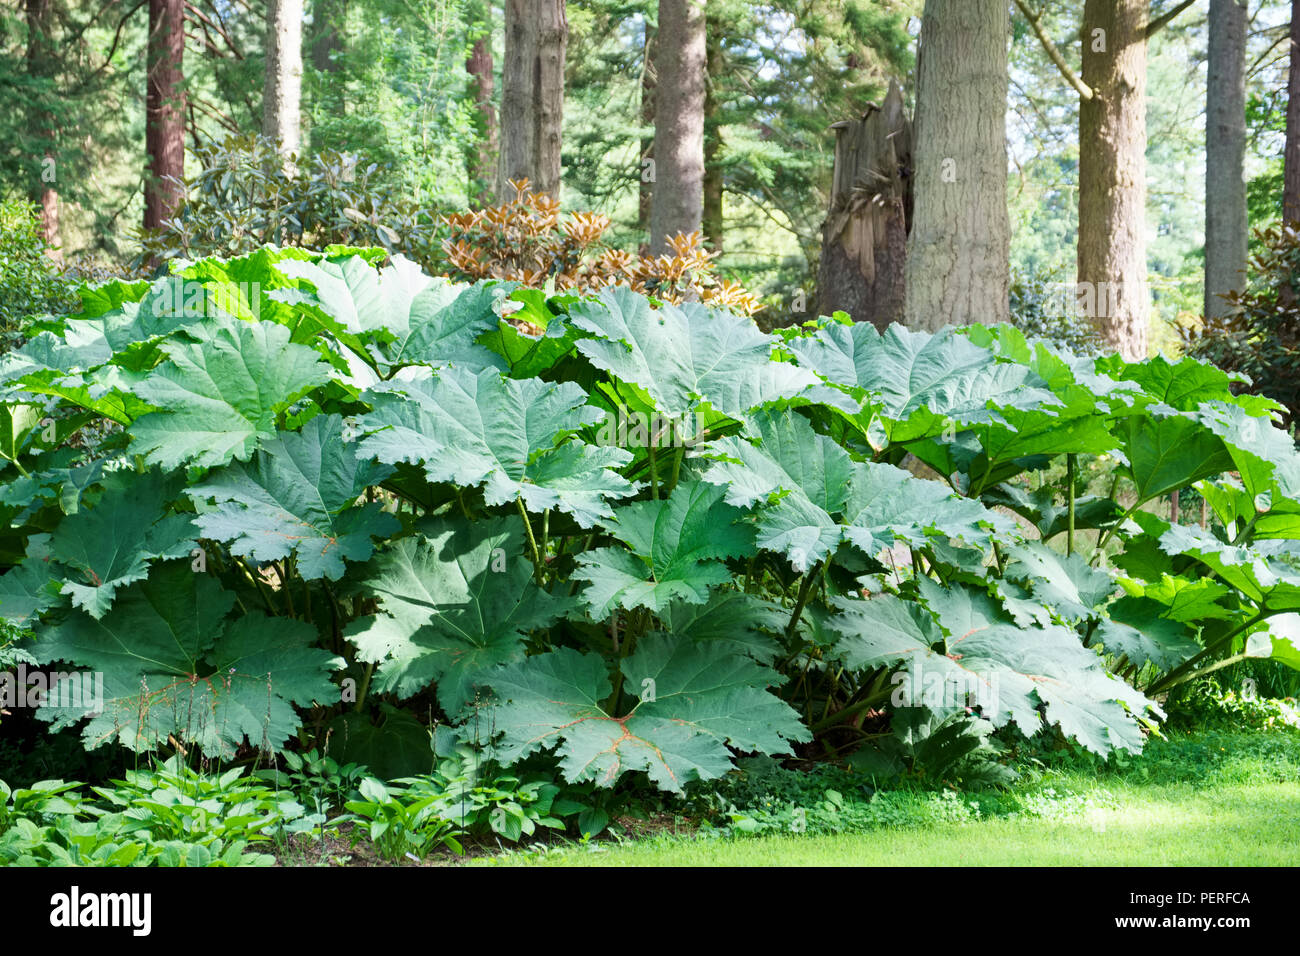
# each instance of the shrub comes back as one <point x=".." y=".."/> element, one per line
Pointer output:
<point x="644" y="538"/>
<point x="524" y="240"/>
<point x="31" y="284"/>
<point x="1260" y="335"/>
<point x="245" y="196"/>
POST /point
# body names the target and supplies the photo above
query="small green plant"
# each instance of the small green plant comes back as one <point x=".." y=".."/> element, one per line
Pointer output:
<point x="398" y="826"/>
<point x="317" y="781"/>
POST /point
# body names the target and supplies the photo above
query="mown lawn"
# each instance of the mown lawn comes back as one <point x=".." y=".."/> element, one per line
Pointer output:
<point x="1198" y="800"/>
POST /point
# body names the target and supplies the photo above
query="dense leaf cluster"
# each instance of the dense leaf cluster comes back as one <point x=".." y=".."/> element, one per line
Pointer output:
<point x="273" y="497"/>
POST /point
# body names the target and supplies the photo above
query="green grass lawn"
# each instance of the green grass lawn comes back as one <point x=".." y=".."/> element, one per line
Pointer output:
<point x="1198" y="800"/>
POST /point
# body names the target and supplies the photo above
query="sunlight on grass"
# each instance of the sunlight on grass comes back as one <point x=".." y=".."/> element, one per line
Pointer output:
<point x="1177" y="825"/>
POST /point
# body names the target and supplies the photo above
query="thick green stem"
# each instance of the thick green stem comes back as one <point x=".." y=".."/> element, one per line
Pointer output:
<point x="1180" y="673"/>
<point x="365" y="687"/>
<point x="532" y="542"/>
<point x="805" y="588"/>
<point x="1069" y="491"/>
<point x="654" y="470"/>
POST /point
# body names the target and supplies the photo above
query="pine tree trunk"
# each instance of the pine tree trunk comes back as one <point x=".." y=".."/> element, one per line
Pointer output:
<point x="1291" y="164"/>
<point x="681" y="61"/>
<point x="164" y="112"/>
<point x="327" y="28"/>
<point x="958" y="251"/>
<point x="1226" y="226"/>
<point x="711" y="222"/>
<point x="1112" y="267"/>
<point x="864" y="239"/>
<point x="282" y="94"/>
<point x="646" y="184"/>
<point x="548" y="93"/>
<point x="483" y="156"/>
<point x="41" y="67"/>
<point x="518" y="132"/>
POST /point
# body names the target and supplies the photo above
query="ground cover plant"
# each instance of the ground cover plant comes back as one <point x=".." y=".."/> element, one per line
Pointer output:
<point x="274" y="501"/>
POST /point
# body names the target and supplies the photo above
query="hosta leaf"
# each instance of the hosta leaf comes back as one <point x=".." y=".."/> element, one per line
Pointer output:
<point x="690" y="701"/>
<point x="677" y="547"/>
<point x="173" y="665"/>
<point x="111" y="544"/>
<point x="685" y="355"/>
<point x="220" y="394"/>
<point x="482" y="429"/>
<point x="297" y="497"/>
<point x="457" y="601"/>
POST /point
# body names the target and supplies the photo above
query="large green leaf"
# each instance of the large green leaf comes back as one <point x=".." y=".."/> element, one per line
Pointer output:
<point x="887" y="504"/>
<point x="1066" y="583"/>
<point x="411" y="317"/>
<point x="970" y="651"/>
<point x="298" y="496"/>
<point x="511" y="437"/>
<point x="691" y="701"/>
<point x="111" y="544"/>
<point x="1167" y="450"/>
<point x="805" y="475"/>
<point x="677" y="547"/>
<point x="685" y="355"/>
<point x="918" y="378"/>
<point x="457" y="601"/>
<point x="174" y="665"/>
<point x="220" y="394"/>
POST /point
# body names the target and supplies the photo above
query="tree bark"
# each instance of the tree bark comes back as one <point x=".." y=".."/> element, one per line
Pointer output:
<point x="958" y="255"/>
<point x="681" y="56"/>
<point x="548" y="93"/>
<point x="327" y="29"/>
<point x="864" y="239"/>
<point x="1291" y="163"/>
<point x="164" y="112"/>
<point x="1112" y="267"/>
<point x="517" y="130"/>
<point x="1226" y="226"/>
<point x="645" y="188"/>
<point x="532" y="95"/>
<point x="483" y="158"/>
<point x="41" y="68"/>
<point x="282" y="94"/>
<point x="711" y="221"/>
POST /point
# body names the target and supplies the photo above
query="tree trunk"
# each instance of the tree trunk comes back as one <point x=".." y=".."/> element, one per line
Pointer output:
<point x="548" y="94"/>
<point x="646" y="172"/>
<point x="958" y="256"/>
<point x="282" y="96"/>
<point x="681" y="61"/>
<point x="1291" y="164"/>
<point x="1112" y="267"/>
<point x="164" y="112"/>
<point x="1226" y="226"/>
<point x="327" y="28"/>
<point x="517" y="129"/>
<point x="41" y="68"/>
<point x="483" y="158"/>
<point x="864" y="239"/>
<point x="712" y="211"/>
